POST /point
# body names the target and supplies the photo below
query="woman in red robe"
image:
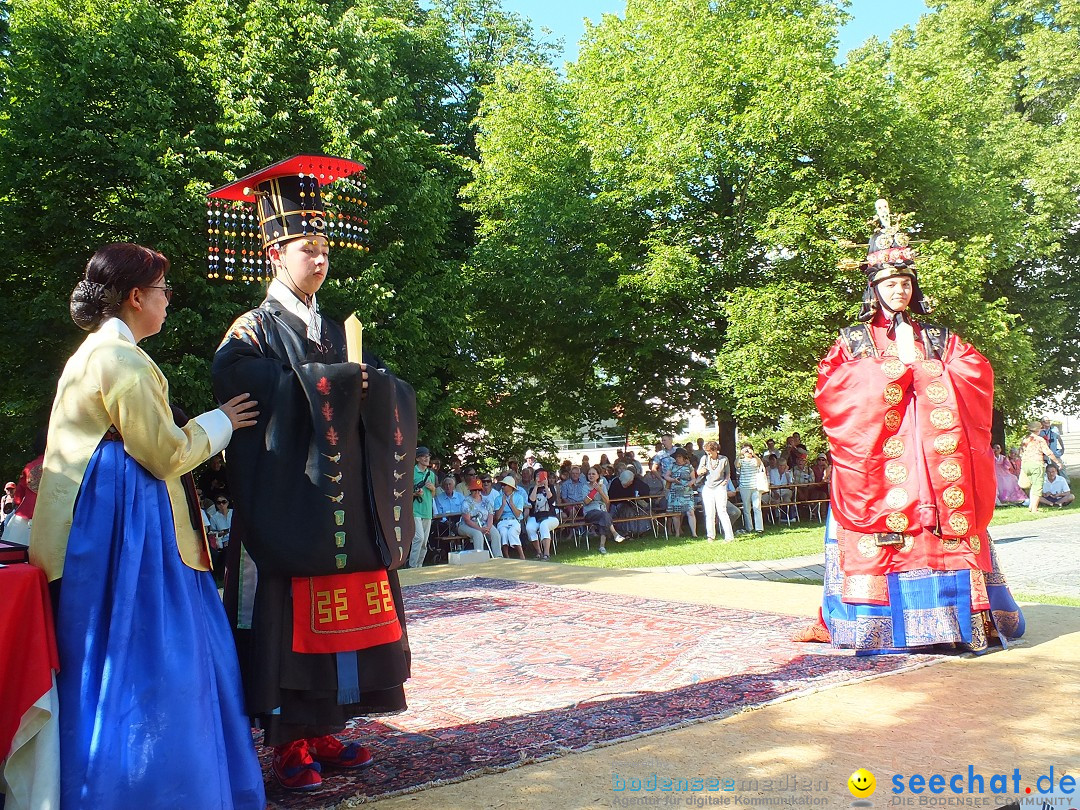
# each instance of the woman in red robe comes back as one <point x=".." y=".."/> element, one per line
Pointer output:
<point x="907" y="408"/>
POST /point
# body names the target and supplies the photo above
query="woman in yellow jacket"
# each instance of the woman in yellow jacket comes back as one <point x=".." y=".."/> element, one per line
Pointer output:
<point x="151" y="714"/>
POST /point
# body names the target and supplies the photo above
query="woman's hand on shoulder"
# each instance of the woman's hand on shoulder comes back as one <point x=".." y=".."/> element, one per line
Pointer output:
<point x="241" y="411"/>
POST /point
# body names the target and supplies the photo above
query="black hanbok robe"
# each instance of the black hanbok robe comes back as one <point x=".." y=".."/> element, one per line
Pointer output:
<point x="319" y="488"/>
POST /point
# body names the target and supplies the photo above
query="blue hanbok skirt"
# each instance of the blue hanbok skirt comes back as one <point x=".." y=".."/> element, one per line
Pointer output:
<point x="151" y="708"/>
<point x="926" y="610"/>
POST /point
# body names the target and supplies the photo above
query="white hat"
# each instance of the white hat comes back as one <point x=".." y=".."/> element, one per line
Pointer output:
<point x="509" y="481"/>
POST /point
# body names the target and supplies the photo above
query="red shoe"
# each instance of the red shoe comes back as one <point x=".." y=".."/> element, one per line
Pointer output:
<point x="294" y="768"/>
<point x="329" y="750"/>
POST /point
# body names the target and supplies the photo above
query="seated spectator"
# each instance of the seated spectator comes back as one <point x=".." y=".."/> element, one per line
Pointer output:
<point x="1055" y="491"/>
<point x="572" y="495"/>
<point x="780" y="483"/>
<point x="801" y="476"/>
<point x="489" y="494"/>
<point x="466" y="481"/>
<point x="657" y="487"/>
<point x="212" y="480"/>
<point x="542" y="519"/>
<point x="781" y="491"/>
<point x="478" y="520"/>
<point x="530" y="462"/>
<point x="24" y="496"/>
<point x="631" y="461"/>
<point x="626" y="514"/>
<point x="219" y="524"/>
<point x="446" y="509"/>
<point x="509" y="512"/>
<point x="564" y="475"/>
<point x="770" y="451"/>
<point x="526" y="479"/>
<point x="820" y="470"/>
<point x="595" y="507"/>
<point x="1015" y="462"/>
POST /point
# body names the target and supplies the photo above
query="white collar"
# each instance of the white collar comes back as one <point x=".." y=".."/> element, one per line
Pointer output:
<point x="114" y="327"/>
<point x="281" y="293"/>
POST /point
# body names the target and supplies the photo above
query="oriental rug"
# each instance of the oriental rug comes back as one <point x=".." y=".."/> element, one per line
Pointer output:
<point x="506" y="673"/>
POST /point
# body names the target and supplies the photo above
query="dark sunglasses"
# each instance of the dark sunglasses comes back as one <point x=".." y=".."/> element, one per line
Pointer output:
<point x="168" y="291"/>
<point x="220" y="502"/>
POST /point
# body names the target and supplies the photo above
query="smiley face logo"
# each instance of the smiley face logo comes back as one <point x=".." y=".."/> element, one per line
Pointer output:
<point x="862" y="784"/>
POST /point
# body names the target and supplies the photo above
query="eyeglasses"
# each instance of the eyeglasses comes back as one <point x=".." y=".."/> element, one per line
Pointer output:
<point x="221" y="503"/>
<point x="168" y="291"/>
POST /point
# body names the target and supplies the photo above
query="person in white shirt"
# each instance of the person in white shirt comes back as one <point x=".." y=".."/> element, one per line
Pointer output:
<point x="218" y="524"/>
<point x="780" y="476"/>
<point x="1055" y="490"/>
<point x="478" y="520"/>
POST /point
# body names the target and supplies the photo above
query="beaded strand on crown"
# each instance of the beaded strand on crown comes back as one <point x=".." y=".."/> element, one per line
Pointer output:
<point x="281" y="202"/>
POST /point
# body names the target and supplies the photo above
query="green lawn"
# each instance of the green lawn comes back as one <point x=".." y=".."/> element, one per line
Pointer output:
<point x="650" y="552"/>
<point x="1068" y="601"/>
<point x="1004" y="515"/>
<point x="776" y="544"/>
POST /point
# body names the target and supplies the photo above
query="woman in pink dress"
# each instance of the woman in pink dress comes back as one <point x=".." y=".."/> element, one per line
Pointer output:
<point x="1008" y="490"/>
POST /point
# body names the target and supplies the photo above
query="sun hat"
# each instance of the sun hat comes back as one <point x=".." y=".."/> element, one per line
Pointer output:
<point x="509" y="481"/>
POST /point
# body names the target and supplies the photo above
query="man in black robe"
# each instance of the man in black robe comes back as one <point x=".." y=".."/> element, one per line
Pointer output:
<point x="321" y="519"/>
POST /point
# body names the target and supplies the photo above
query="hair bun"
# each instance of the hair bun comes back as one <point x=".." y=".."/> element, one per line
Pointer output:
<point x="91" y="303"/>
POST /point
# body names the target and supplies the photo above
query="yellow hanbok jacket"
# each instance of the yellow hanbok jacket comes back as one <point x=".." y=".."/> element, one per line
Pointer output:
<point x="111" y="382"/>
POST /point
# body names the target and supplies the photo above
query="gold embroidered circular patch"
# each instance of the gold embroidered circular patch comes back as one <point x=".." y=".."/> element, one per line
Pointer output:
<point x="953" y="497"/>
<point x="892" y="419"/>
<point x="893" y="394"/>
<point x="891" y="350"/>
<point x="909" y="542"/>
<point x="893" y="447"/>
<point x="896" y="498"/>
<point x="975" y="543"/>
<point x="892" y="368"/>
<point x="937" y="393"/>
<point x="867" y="546"/>
<point x="951" y="544"/>
<point x="958" y="523"/>
<point x="941" y="418"/>
<point x="896" y="472"/>
<point x="897" y="521"/>
<point x="945" y="445"/>
<point x="933" y="367"/>
<point x="949" y="469"/>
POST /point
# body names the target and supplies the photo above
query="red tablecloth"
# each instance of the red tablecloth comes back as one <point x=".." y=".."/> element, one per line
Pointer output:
<point x="29" y="743"/>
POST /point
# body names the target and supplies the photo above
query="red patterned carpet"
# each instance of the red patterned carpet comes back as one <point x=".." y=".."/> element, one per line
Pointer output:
<point x="506" y="673"/>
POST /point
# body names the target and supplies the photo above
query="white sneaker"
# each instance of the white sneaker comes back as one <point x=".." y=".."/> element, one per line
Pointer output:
<point x="619" y="538"/>
<point x="603" y="550"/>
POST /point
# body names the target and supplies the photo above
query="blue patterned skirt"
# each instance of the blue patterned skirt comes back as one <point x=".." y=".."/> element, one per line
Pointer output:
<point x="925" y="609"/>
<point x="151" y="709"/>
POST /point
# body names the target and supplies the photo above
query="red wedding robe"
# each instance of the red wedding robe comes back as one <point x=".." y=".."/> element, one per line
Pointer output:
<point x="911" y="457"/>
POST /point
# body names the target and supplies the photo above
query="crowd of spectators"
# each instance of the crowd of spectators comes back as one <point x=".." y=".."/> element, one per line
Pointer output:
<point x="518" y="506"/>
